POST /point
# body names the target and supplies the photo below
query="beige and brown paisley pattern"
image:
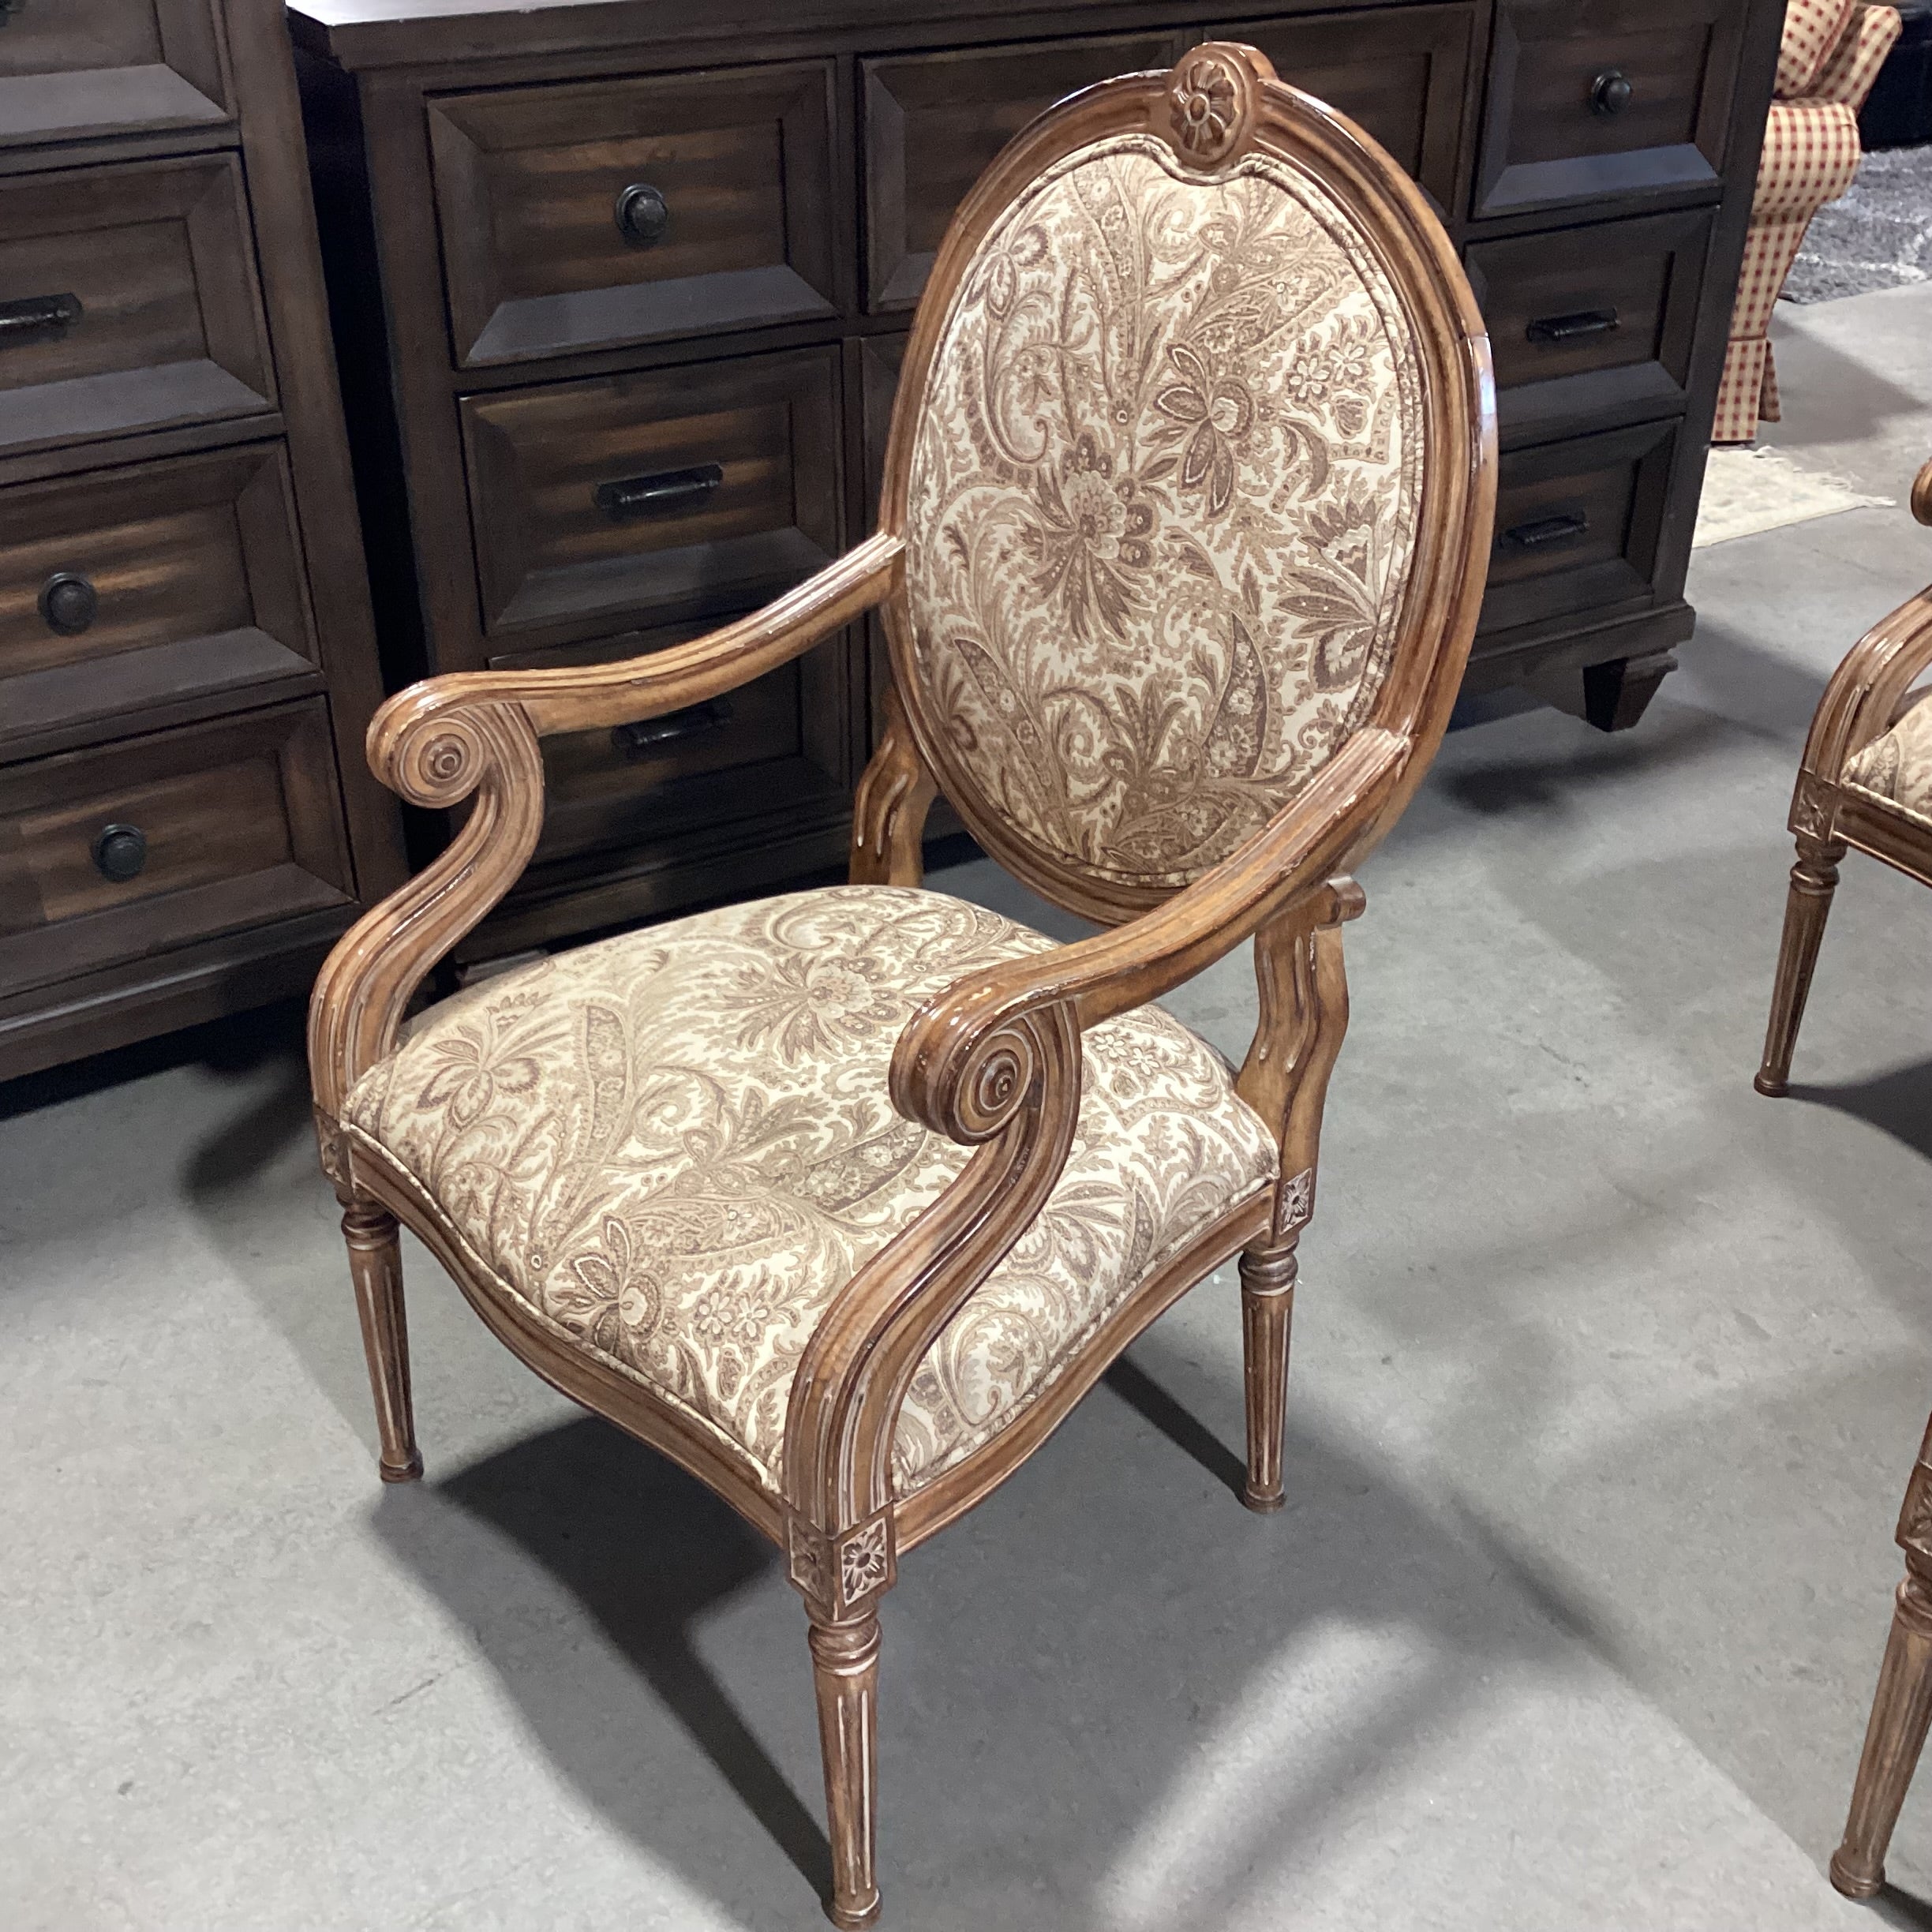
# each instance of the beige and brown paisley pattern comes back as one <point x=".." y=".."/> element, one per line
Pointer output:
<point x="1898" y="767"/>
<point x="677" y="1145"/>
<point x="1162" y="507"/>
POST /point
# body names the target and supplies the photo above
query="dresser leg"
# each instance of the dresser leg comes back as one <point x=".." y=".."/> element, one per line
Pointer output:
<point x="1615" y="694"/>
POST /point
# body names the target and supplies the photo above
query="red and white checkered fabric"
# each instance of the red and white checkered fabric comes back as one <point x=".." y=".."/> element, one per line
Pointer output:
<point x="1812" y="29"/>
<point x="1810" y="157"/>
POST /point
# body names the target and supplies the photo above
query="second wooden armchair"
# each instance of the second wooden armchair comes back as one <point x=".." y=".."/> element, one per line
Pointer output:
<point x="842" y="1199"/>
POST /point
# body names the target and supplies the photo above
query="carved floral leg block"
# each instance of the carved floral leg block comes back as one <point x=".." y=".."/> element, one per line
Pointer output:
<point x="845" y="1676"/>
<point x="376" y="1262"/>
<point x="1813" y="879"/>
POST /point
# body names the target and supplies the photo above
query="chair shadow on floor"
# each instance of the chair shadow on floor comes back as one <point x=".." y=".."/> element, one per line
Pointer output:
<point x="996" y="1656"/>
<point x="1905" y="1910"/>
<point x="1898" y="1101"/>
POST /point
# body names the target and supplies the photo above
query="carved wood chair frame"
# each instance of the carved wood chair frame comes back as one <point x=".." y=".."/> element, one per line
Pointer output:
<point x="994" y="1063"/>
<point x="1867" y="694"/>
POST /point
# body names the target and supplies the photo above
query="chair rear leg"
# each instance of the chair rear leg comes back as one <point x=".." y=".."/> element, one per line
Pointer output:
<point x="1305" y="1011"/>
<point x="375" y="1263"/>
<point x="845" y="1677"/>
<point x="1901" y="1708"/>
<point x="1813" y="879"/>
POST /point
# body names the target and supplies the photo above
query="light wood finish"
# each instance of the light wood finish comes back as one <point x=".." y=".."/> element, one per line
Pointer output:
<point x="375" y="1265"/>
<point x="1865" y="696"/>
<point x="1902" y="1706"/>
<point x="994" y="1062"/>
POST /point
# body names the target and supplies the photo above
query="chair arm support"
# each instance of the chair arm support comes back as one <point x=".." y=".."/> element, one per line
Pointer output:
<point x="1861" y="701"/>
<point x="960" y="1067"/>
<point x="477" y="732"/>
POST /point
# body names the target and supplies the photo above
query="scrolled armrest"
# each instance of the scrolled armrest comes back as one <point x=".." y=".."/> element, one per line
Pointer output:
<point x="962" y="1067"/>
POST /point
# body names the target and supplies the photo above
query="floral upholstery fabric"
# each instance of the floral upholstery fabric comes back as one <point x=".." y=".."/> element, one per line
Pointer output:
<point x="675" y="1146"/>
<point x="1162" y="507"/>
<point x="1898" y="767"/>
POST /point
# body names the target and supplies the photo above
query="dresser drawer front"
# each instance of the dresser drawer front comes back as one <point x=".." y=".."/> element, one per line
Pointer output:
<point x="128" y="301"/>
<point x="933" y="121"/>
<point x="154" y="843"/>
<point x="650" y="496"/>
<point x="126" y="590"/>
<point x="1615" y="97"/>
<point x="1591" y="322"/>
<point x="1399" y="73"/>
<point x="1578" y="525"/>
<point x="585" y="215"/>
<point x="90" y="67"/>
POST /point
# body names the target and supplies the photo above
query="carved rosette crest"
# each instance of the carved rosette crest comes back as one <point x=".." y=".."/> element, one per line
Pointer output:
<point x="1811" y="811"/>
<point x="1296" y="1202"/>
<point x="1915" y="1527"/>
<point x="329" y="1147"/>
<point x="1210" y="100"/>
<point x="839" y="1573"/>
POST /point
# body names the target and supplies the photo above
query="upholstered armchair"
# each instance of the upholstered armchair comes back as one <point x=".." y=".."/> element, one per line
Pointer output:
<point x="1830" y="55"/>
<point x="842" y="1199"/>
<point x="1864" y="782"/>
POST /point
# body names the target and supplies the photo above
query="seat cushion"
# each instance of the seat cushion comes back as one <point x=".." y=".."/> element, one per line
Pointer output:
<point x="675" y="1146"/>
<point x="1898" y="767"/>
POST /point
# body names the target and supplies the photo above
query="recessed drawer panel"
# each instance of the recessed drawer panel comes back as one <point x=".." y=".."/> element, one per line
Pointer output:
<point x="1592" y="98"/>
<point x="128" y="301"/>
<point x="651" y="495"/>
<point x="1398" y="73"/>
<point x="86" y="67"/>
<point x="933" y="121"/>
<point x="1577" y="524"/>
<point x="1591" y="322"/>
<point x="135" y="847"/>
<point x="584" y="216"/>
<point x="126" y="589"/>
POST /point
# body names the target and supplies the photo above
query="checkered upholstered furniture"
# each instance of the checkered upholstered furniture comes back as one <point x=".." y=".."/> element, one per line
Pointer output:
<point x="842" y="1199"/>
<point x="1831" y="55"/>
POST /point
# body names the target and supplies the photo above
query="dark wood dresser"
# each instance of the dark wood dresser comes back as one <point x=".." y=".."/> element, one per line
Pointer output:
<point x="621" y="290"/>
<point x="187" y="659"/>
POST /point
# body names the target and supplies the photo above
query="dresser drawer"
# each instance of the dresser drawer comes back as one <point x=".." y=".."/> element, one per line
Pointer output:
<point x="90" y="67"/>
<point x="1613" y="97"/>
<point x="128" y="301"/>
<point x="1578" y="525"/>
<point x="135" y="847"/>
<point x="933" y="121"/>
<point x="654" y="496"/>
<point x="582" y="216"/>
<point x="1399" y="73"/>
<point x="159" y="585"/>
<point x="1591" y="322"/>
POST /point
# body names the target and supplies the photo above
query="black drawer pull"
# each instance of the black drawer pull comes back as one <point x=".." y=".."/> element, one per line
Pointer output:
<point x="643" y="214"/>
<point x="68" y="603"/>
<point x="1611" y="92"/>
<point x="649" y="735"/>
<point x="38" y="315"/>
<point x="1564" y="328"/>
<point x="1547" y="530"/>
<point x="120" y="852"/>
<point x="656" y="495"/>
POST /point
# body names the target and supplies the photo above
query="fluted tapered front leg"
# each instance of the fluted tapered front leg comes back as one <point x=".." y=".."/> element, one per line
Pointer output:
<point x="1267" y="1279"/>
<point x="1813" y="879"/>
<point x="845" y="1672"/>
<point x="375" y="1263"/>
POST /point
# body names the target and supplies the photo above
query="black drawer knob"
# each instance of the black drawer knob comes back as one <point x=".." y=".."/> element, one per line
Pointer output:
<point x="662" y="493"/>
<point x="120" y="852"/>
<point x="68" y="603"/>
<point x="1611" y="92"/>
<point x="38" y="317"/>
<point x="649" y="735"/>
<point x="1568" y="328"/>
<point x="1547" y="530"/>
<point x="641" y="215"/>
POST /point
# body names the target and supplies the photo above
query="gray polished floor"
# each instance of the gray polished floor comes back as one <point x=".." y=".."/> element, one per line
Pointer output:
<point x="1608" y="1374"/>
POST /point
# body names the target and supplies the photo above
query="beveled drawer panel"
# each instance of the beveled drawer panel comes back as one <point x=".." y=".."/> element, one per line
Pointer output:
<point x="586" y="214"/>
<point x="157" y="585"/>
<point x="1591" y="322"/>
<point x="1398" y="73"/>
<point x="127" y="301"/>
<point x="1611" y="98"/>
<point x="90" y="67"/>
<point x="1577" y="524"/>
<point x="933" y="121"/>
<point x="134" y="847"/>
<point x="650" y="496"/>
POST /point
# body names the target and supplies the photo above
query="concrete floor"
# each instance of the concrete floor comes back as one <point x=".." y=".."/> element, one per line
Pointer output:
<point x="1607" y="1376"/>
